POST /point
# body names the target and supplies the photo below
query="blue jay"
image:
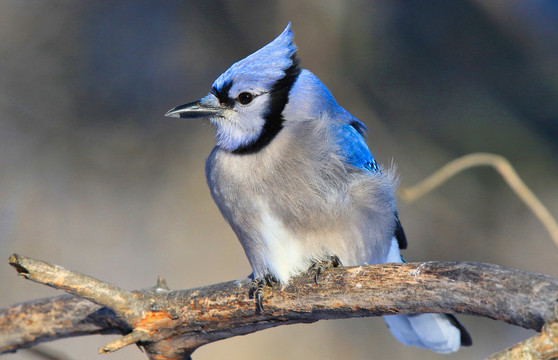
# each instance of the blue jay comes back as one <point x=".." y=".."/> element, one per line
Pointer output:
<point x="293" y="176"/>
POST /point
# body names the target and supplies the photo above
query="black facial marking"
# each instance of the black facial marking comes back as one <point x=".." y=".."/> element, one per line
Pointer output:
<point x="279" y="97"/>
<point x="223" y="94"/>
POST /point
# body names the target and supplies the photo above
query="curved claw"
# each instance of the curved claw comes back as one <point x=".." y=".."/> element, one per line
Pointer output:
<point x="320" y="266"/>
<point x="257" y="288"/>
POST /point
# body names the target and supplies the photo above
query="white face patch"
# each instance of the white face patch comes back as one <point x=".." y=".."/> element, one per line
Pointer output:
<point x="241" y="125"/>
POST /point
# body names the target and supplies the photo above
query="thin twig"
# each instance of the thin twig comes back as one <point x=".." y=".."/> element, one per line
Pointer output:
<point x="504" y="168"/>
<point x="129" y="339"/>
<point x="46" y="353"/>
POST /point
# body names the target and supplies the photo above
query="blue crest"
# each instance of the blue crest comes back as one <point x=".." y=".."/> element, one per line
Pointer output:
<point x="261" y="69"/>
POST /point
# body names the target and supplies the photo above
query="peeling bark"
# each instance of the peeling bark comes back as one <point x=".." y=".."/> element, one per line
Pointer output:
<point x="171" y="324"/>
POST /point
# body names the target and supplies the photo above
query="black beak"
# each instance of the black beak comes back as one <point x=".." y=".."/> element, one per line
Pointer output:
<point x="193" y="110"/>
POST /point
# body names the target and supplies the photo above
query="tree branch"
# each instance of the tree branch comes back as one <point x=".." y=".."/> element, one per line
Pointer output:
<point x="172" y="324"/>
<point x="30" y="323"/>
<point x="541" y="346"/>
<point x="503" y="167"/>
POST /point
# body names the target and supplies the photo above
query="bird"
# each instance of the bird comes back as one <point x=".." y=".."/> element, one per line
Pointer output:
<point x="292" y="174"/>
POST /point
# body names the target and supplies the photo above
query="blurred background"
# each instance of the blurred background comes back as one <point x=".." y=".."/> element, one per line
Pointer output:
<point x="94" y="178"/>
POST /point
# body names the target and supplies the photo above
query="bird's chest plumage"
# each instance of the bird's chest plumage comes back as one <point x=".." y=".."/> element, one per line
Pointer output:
<point x="289" y="213"/>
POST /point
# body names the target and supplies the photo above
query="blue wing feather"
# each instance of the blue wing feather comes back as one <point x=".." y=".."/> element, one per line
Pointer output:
<point x="353" y="146"/>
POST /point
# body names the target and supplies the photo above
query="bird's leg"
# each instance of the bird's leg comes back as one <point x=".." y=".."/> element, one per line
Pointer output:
<point x="257" y="289"/>
<point x="321" y="265"/>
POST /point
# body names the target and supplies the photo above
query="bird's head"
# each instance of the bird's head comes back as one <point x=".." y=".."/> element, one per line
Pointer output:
<point x="246" y="102"/>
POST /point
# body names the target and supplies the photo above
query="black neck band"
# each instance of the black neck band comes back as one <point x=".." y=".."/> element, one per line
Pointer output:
<point x="279" y="97"/>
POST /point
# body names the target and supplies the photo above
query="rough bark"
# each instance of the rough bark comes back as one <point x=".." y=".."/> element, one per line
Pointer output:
<point x="172" y="324"/>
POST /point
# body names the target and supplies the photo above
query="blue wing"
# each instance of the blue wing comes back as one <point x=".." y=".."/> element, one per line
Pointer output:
<point x="353" y="146"/>
<point x="355" y="151"/>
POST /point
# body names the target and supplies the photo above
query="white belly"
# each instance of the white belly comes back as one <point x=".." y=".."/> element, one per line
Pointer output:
<point x="284" y="254"/>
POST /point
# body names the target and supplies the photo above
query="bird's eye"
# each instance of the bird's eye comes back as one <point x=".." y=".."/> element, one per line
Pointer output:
<point x="245" y="98"/>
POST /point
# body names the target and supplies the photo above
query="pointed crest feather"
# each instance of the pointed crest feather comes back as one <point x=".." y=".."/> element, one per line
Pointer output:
<point x="261" y="69"/>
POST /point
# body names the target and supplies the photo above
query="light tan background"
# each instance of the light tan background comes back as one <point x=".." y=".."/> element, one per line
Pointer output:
<point x="94" y="178"/>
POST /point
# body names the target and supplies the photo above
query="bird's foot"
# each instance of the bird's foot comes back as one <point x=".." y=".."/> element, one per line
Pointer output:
<point x="257" y="289"/>
<point x="320" y="266"/>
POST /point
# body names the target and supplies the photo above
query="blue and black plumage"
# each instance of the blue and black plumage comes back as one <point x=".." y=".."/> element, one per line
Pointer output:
<point x="295" y="179"/>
